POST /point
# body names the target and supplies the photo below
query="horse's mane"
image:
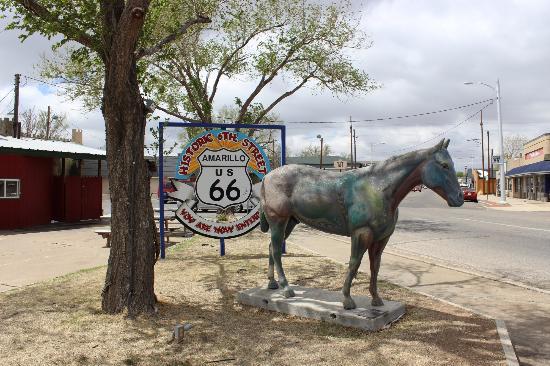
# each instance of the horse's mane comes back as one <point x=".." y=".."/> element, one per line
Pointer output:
<point x="409" y="157"/>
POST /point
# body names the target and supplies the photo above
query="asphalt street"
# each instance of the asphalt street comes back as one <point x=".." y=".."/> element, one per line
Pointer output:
<point x="510" y="245"/>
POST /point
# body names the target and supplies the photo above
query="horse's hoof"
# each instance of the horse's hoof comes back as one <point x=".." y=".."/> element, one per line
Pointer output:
<point x="273" y="285"/>
<point x="288" y="293"/>
<point x="349" y="303"/>
<point x="377" y="302"/>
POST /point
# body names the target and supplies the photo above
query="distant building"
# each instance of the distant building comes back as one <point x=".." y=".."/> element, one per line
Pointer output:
<point x="529" y="175"/>
<point x="314" y="161"/>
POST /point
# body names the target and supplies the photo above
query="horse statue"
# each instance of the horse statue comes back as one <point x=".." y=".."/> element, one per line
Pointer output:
<point x="360" y="203"/>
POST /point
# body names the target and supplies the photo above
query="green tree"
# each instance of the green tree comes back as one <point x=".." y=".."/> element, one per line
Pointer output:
<point x="112" y="36"/>
<point x="293" y="42"/>
<point x="281" y="43"/>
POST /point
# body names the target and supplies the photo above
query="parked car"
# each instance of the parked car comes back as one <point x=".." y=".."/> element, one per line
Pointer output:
<point x="417" y="188"/>
<point x="469" y="194"/>
<point x="168" y="187"/>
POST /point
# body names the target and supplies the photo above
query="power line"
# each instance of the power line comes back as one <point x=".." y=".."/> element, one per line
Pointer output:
<point x="396" y="117"/>
<point x="445" y="131"/>
<point x="9" y="106"/>
<point x="44" y="82"/>
<point x="5" y="96"/>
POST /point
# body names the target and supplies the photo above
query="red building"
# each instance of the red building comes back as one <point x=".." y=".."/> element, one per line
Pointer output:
<point x="41" y="181"/>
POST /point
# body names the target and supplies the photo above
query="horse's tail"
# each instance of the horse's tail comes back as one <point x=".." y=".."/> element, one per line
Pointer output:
<point x="264" y="225"/>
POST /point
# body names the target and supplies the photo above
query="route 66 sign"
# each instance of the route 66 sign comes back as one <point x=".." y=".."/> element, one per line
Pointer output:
<point x="220" y="170"/>
<point x="223" y="180"/>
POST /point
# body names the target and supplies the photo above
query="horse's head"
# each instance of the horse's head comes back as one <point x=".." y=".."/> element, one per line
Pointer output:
<point x="438" y="174"/>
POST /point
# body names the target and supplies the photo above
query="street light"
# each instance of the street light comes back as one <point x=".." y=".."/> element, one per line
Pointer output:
<point x="321" y="154"/>
<point x="372" y="145"/>
<point x="497" y="90"/>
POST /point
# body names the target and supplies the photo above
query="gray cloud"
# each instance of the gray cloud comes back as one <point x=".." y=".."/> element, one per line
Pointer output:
<point x="422" y="53"/>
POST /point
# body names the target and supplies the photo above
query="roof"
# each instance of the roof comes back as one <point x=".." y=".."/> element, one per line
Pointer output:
<point x="313" y="160"/>
<point x="48" y="148"/>
<point x="537" y="138"/>
<point x="541" y="167"/>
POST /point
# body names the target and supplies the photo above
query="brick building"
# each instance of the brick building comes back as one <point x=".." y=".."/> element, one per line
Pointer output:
<point x="528" y="176"/>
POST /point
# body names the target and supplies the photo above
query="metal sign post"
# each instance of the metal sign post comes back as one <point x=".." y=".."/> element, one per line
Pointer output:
<point x="223" y="160"/>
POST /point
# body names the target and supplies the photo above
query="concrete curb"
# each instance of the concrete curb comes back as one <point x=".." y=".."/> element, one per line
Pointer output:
<point x="506" y="342"/>
<point x="507" y="346"/>
<point x="434" y="261"/>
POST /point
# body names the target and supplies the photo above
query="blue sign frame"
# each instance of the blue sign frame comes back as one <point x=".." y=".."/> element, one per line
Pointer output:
<point x="223" y="126"/>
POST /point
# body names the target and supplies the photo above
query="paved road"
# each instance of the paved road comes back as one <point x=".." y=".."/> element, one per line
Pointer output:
<point x="510" y="245"/>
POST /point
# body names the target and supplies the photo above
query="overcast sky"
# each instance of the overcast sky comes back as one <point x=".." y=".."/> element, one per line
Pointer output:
<point x="422" y="53"/>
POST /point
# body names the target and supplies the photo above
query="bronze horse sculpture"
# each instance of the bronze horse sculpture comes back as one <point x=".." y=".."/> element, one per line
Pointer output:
<point x="359" y="203"/>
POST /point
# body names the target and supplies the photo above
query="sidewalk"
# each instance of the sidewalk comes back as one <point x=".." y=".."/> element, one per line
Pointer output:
<point x="526" y="312"/>
<point x="30" y="256"/>
<point x="514" y="204"/>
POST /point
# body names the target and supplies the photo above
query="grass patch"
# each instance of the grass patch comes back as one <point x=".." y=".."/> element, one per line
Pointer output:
<point x="60" y="322"/>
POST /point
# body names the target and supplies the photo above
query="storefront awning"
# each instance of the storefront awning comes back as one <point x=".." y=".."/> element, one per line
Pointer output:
<point x="542" y="167"/>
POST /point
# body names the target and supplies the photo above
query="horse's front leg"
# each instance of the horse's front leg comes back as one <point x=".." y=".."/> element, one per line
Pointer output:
<point x="277" y="238"/>
<point x="361" y="240"/>
<point x="375" y="256"/>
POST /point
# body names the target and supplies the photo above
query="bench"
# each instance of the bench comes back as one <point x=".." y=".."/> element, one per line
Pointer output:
<point x="106" y="234"/>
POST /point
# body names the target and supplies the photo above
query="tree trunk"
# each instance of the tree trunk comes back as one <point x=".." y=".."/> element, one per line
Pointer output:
<point x="130" y="274"/>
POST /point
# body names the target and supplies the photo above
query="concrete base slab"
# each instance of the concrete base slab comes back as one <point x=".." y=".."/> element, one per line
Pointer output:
<point x="325" y="305"/>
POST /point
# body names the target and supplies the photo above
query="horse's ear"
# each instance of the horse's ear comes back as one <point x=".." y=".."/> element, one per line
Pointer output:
<point x="439" y="146"/>
<point x="446" y="143"/>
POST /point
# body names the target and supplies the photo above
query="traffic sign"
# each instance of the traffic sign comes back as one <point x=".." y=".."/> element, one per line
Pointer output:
<point x="496" y="159"/>
<point x="340" y="164"/>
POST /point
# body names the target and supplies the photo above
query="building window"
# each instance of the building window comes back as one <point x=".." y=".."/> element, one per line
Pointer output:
<point x="10" y="188"/>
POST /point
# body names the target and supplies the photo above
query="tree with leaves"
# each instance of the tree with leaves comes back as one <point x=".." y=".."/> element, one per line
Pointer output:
<point x="290" y="42"/>
<point x="113" y="36"/>
<point x="284" y="44"/>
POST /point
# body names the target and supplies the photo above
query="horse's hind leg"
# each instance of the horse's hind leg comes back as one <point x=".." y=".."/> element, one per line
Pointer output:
<point x="277" y="238"/>
<point x="375" y="256"/>
<point x="272" y="285"/>
<point x="360" y="241"/>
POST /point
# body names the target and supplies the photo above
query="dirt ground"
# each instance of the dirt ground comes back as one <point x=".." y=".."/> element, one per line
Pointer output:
<point x="60" y="322"/>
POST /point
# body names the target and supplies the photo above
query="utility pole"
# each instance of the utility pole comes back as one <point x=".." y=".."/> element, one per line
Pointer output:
<point x="48" y="124"/>
<point x="482" y="152"/>
<point x="488" y="166"/>
<point x="351" y="142"/>
<point x="354" y="149"/>
<point x="16" y="125"/>
<point x="321" y="162"/>
<point x="321" y="153"/>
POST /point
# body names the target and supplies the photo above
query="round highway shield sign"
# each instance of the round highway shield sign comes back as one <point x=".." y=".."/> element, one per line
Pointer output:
<point x="218" y="176"/>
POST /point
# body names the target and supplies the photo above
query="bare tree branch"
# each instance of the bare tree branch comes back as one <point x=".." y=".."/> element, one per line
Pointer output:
<point x="177" y="115"/>
<point x="235" y="52"/>
<point x="264" y="81"/>
<point x="172" y="37"/>
<point x="181" y="79"/>
<point x="281" y="97"/>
